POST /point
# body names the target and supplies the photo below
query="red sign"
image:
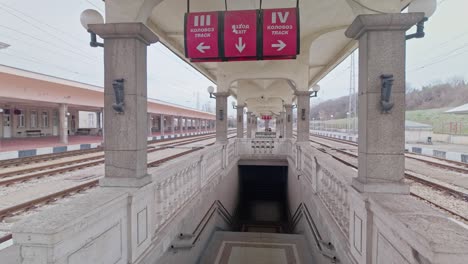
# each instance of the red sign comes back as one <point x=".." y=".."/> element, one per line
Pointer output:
<point x="280" y="32"/>
<point x="202" y="35"/>
<point x="240" y="33"/>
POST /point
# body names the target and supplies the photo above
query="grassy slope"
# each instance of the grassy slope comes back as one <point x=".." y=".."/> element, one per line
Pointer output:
<point x="435" y="117"/>
<point x="438" y="119"/>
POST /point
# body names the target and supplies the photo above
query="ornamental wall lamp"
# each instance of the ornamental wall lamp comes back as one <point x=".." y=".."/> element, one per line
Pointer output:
<point x="427" y="7"/>
<point x="315" y="90"/>
<point x="386" y="92"/>
<point x="91" y="16"/>
<point x="118" y="86"/>
<point x="211" y="92"/>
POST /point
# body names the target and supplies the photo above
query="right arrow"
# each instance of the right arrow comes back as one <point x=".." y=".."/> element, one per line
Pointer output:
<point x="202" y="48"/>
<point x="280" y="45"/>
<point x="240" y="46"/>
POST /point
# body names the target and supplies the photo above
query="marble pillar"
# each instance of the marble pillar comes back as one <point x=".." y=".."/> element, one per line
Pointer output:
<point x="125" y="57"/>
<point x="381" y="147"/>
<point x="63" y="123"/>
<point x="303" y="112"/>
<point x="221" y="117"/>
<point x="240" y="121"/>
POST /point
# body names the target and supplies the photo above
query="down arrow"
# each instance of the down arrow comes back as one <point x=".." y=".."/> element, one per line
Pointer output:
<point x="240" y="46"/>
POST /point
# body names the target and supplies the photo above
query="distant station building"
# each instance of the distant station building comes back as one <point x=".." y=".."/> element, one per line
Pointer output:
<point x="462" y="110"/>
<point x="418" y="132"/>
<point x="38" y="105"/>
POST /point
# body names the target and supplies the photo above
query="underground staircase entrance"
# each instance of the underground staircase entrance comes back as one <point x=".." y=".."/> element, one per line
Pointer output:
<point x="261" y="232"/>
<point x="262" y="199"/>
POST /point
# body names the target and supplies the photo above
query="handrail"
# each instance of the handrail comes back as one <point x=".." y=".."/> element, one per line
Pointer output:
<point x="217" y="206"/>
<point x="302" y="210"/>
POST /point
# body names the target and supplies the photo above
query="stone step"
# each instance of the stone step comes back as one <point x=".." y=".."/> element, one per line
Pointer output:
<point x="258" y="248"/>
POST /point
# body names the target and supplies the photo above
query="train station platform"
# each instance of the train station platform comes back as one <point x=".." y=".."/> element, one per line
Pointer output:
<point x="276" y="200"/>
<point x="32" y="146"/>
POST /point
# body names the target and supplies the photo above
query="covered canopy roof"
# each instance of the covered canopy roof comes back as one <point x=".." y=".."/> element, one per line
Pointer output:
<point x="258" y="83"/>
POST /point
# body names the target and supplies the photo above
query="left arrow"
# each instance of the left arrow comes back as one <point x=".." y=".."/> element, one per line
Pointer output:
<point x="202" y="48"/>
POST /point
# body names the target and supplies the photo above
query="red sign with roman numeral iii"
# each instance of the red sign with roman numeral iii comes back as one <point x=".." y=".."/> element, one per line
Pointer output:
<point x="280" y="32"/>
<point x="202" y="35"/>
<point x="240" y="33"/>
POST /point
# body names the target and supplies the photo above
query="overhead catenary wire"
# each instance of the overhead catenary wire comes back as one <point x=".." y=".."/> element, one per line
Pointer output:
<point x="55" y="37"/>
<point x="48" y="42"/>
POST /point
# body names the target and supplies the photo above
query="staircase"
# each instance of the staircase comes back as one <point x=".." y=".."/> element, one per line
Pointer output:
<point x="256" y="248"/>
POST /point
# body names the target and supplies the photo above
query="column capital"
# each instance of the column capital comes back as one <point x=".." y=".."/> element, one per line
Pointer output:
<point x="382" y="22"/>
<point x="302" y="93"/>
<point x="241" y="106"/>
<point x="288" y="106"/>
<point x="222" y="94"/>
<point x="125" y="31"/>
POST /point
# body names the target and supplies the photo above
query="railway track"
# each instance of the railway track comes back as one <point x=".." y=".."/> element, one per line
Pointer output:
<point x="452" y="166"/>
<point x="46" y="157"/>
<point x="35" y="203"/>
<point x="408" y="175"/>
<point x="15" y="177"/>
<point x="53" y="156"/>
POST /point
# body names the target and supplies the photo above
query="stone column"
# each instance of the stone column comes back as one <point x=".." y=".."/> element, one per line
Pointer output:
<point x="98" y="120"/>
<point x="303" y="111"/>
<point x="180" y="124"/>
<point x="240" y="121"/>
<point x="267" y="124"/>
<point x="282" y="124"/>
<point x="249" y="124"/>
<point x="381" y="134"/>
<point x="221" y="117"/>
<point x="102" y="123"/>
<point x="150" y="124"/>
<point x="186" y="125"/>
<point x="288" y="122"/>
<point x="63" y="123"/>
<point x="125" y="56"/>
<point x="173" y="125"/>
<point x="162" y="126"/>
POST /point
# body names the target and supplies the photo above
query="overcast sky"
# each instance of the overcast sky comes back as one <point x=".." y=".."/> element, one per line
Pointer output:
<point x="441" y="55"/>
<point x="46" y="37"/>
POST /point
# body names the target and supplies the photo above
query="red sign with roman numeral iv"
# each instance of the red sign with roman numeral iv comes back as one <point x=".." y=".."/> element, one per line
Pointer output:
<point x="202" y="35"/>
<point x="280" y="32"/>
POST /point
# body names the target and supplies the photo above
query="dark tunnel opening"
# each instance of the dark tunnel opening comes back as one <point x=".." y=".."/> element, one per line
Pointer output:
<point x="262" y="199"/>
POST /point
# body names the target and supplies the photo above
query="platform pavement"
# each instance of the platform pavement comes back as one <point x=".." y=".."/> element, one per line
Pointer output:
<point x="27" y="147"/>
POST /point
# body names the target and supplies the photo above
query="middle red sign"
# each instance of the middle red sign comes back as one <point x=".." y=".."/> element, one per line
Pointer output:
<point x="240" y="34"/>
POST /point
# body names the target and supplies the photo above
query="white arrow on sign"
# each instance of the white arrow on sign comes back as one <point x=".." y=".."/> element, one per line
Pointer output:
<point x="280" y="45"/>
<point x="240" y="46"/>
<point x="202" y="48"/>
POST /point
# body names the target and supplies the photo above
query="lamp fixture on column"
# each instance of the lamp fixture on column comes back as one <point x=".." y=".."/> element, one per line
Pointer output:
<point x="234" y="106"/>
<point x="1" y="110"/>
<point x="211" y="91"/>
<point x="315" y="90"/>
<point x="91" y="16"/>
<point x="427" y="7"/>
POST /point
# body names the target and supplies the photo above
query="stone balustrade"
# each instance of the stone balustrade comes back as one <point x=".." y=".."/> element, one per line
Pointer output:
<point x="141" y="223"/>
